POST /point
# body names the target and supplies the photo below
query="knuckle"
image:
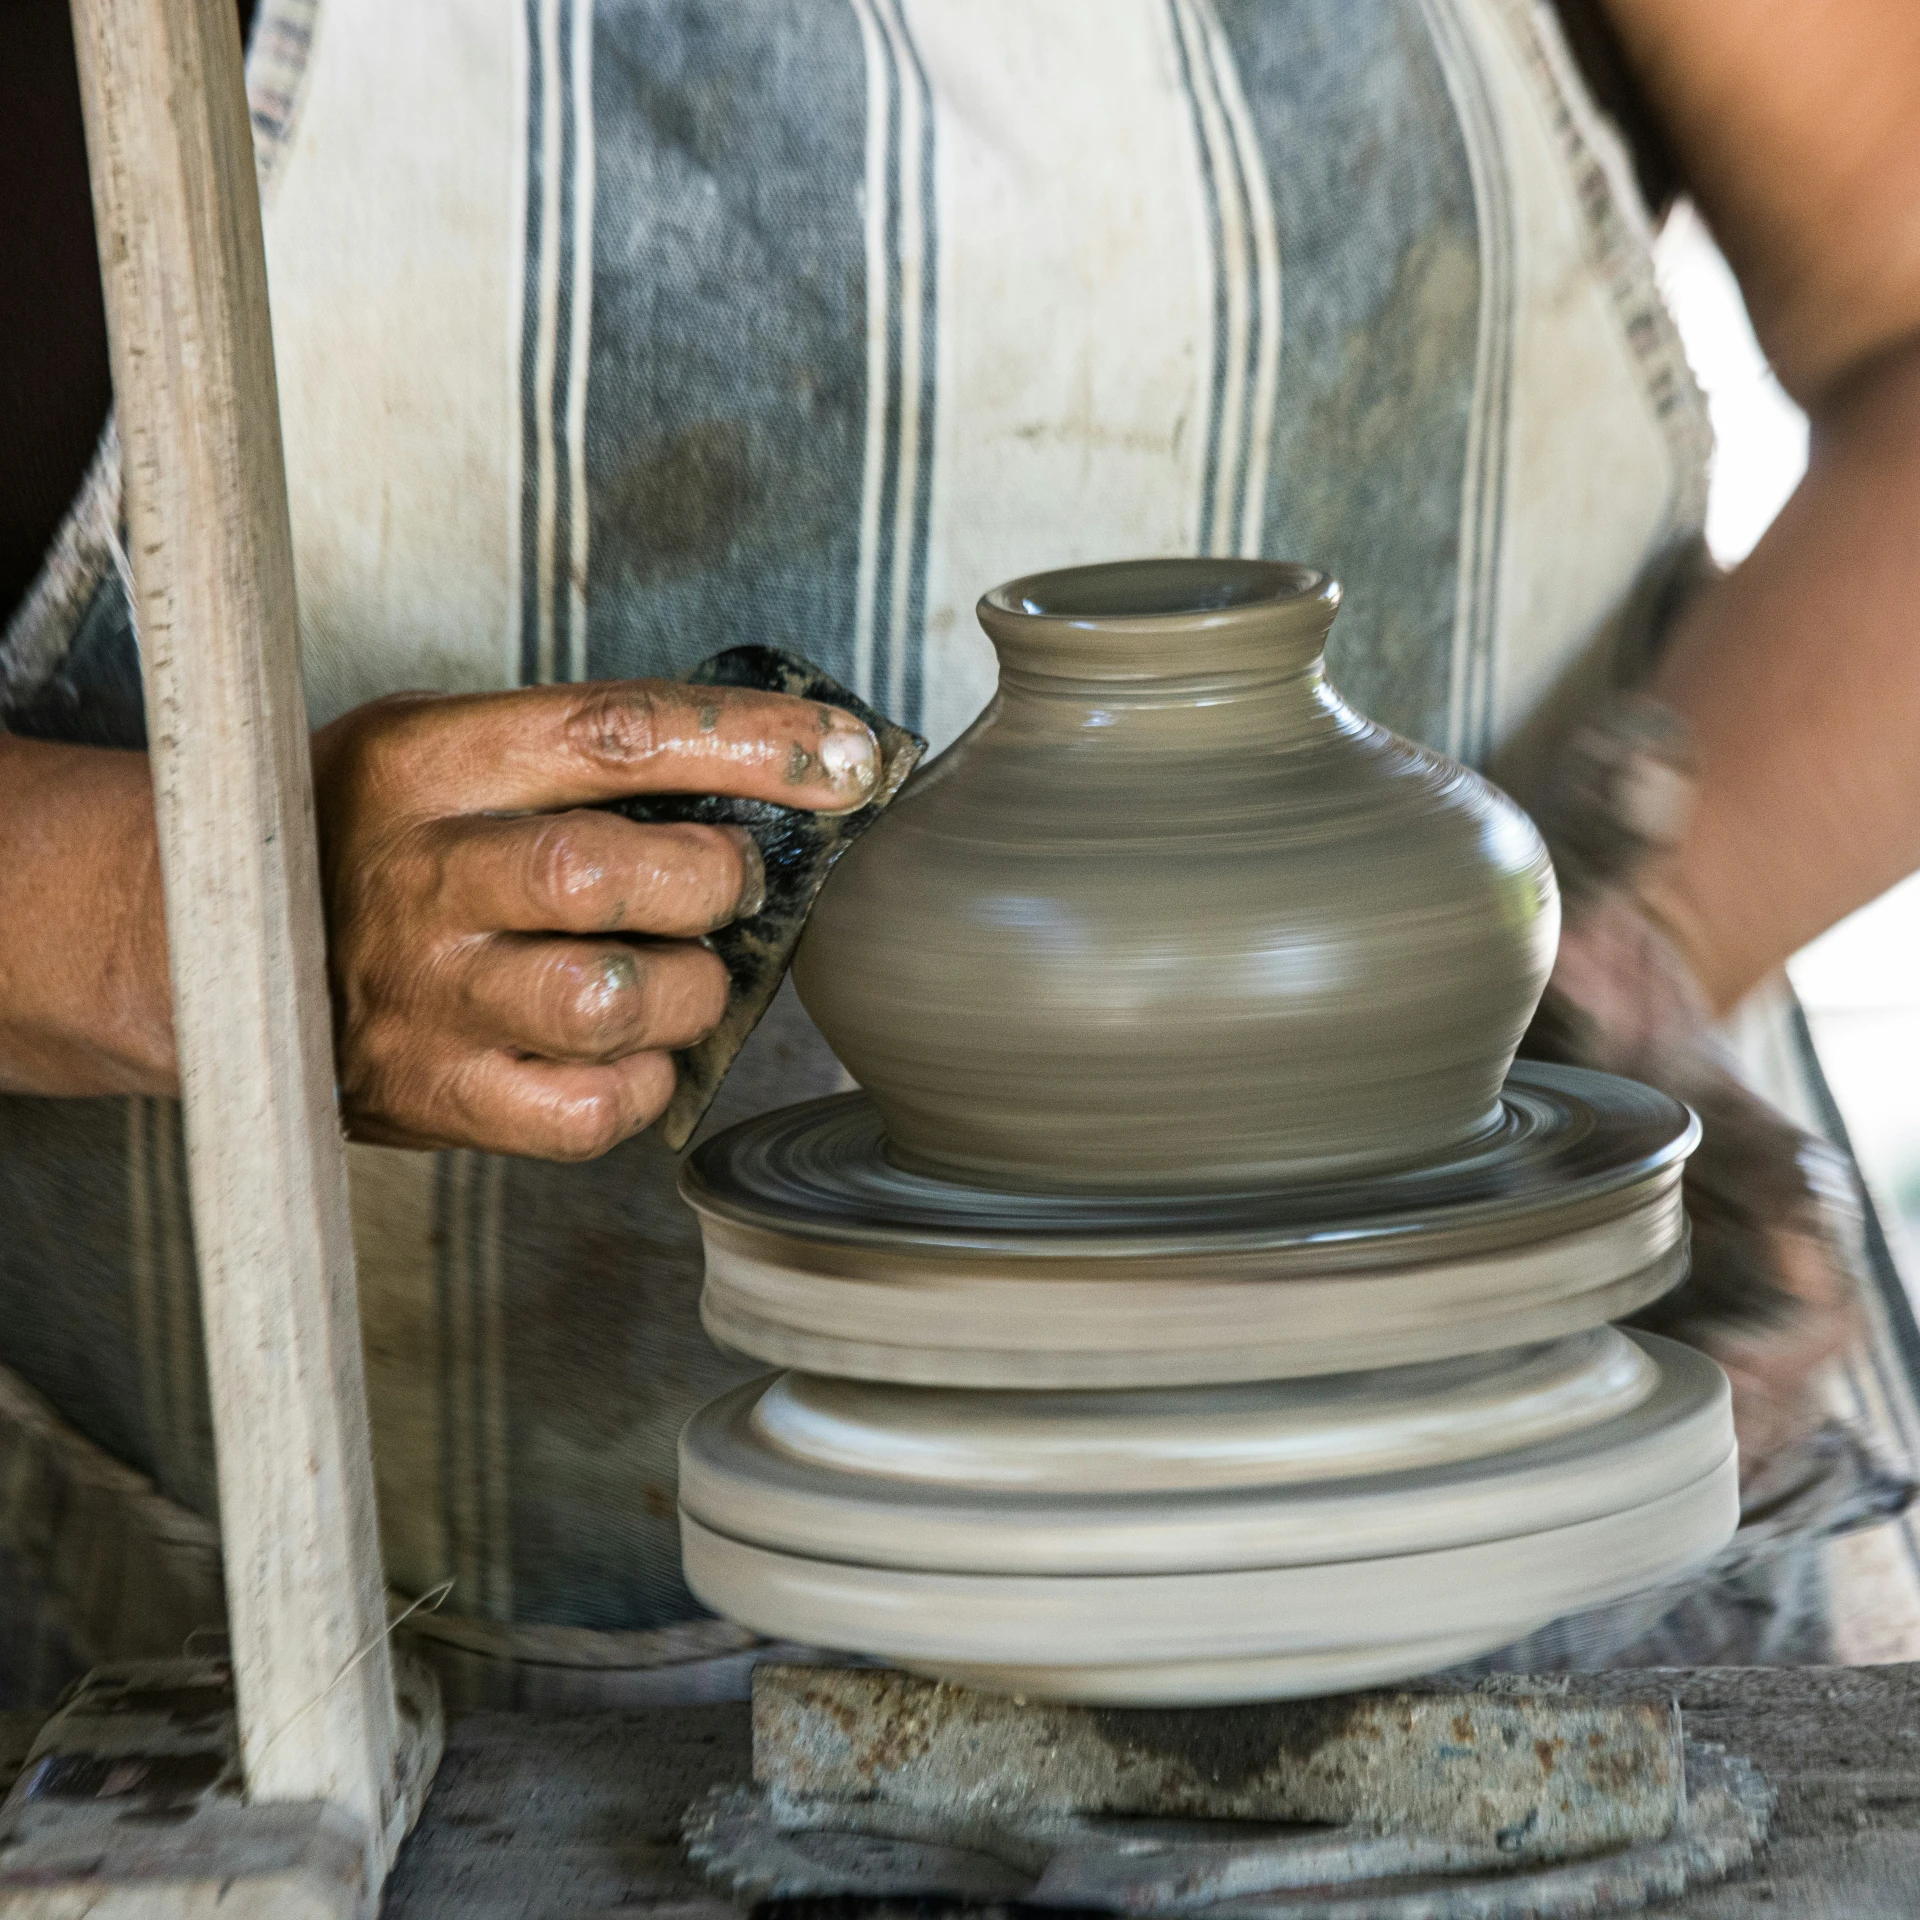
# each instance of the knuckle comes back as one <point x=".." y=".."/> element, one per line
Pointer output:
<point x="589" y="1127"/>
<point x="619" y="724"/>
<point x="563" y="861"/>
<point x="600" y="998"/>
<point x="382" y="734"/>
<point x="410" y="867"/>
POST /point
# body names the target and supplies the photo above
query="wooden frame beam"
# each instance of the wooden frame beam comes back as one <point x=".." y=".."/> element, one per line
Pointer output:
<point x="178" y="216"/>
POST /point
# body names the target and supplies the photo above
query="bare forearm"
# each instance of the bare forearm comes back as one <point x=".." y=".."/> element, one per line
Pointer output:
<point x="1794" y="124"/>
<point x="84" y="1001"/>
<point x="1800" y="676"/>
<point x="1800" y="673"/>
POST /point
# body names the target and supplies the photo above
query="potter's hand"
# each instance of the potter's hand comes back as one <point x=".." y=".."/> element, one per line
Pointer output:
<point x="1771" y="1293"/>
<point x="509" y="971"/>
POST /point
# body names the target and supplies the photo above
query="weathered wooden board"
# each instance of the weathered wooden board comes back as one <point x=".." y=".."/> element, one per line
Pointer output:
<point x="177" y="213"/>
<point x="129" y="1801"/>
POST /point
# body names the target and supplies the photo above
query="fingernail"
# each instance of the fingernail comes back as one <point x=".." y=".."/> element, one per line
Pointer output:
<point x="753" y="877"/>
<point x="848" y="755"/>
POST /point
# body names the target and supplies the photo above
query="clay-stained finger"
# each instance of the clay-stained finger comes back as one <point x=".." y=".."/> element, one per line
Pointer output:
<point x="538" y="749"/>
<point x="585" y="872"/>
<point x="589" y="1000"/>
<point x="545" y="1109"/>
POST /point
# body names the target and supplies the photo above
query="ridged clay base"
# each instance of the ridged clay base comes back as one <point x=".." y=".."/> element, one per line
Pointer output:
<point x="1291" y="1538"/>
<point x="823" y="1255"/>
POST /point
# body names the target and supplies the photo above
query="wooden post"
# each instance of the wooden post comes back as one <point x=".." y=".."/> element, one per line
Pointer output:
<point x="180" y="246"/>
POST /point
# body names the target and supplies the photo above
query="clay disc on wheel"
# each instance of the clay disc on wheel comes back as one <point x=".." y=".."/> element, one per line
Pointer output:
<point x="1341" y="1624"/>
<point x="885" y="1482"/>
<point x="1274" y="1574"/>
<point x="824" y="1256"/>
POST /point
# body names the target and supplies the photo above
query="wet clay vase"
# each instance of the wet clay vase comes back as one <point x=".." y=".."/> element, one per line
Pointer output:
<point x="1172" y="916"/>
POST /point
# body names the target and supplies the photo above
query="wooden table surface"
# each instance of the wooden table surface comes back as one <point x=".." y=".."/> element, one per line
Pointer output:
<point x="535" y="1817"/>
<point x="569" y="1817"/>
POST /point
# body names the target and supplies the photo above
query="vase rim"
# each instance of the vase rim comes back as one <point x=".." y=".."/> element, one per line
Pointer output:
<point x="1155" y="625"/>
<point x="1166" y="593"/>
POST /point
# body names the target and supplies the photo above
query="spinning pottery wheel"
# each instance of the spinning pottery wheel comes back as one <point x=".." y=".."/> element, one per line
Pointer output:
<point x="1193" y="1305"/>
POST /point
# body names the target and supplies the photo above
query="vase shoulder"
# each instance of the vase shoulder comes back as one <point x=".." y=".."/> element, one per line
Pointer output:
<point x="1199" y="924"/>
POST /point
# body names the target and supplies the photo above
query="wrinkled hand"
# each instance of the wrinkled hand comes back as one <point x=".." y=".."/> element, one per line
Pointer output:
<point x="1771" y="1294"/>
<point x="509" y="970"/>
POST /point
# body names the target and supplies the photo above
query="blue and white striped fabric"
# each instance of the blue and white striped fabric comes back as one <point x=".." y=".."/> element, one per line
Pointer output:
<point x="606" y="333"/>
<point x="613" y="331"/>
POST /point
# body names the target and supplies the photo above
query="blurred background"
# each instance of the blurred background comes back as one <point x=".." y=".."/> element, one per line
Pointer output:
<point x="1858" y="983"/>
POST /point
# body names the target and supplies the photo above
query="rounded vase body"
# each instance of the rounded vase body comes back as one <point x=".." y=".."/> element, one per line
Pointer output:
<point x="1171" y="915"/>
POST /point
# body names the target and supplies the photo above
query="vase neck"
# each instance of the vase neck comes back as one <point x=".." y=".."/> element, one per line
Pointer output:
<point x="1089" y="645"/>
